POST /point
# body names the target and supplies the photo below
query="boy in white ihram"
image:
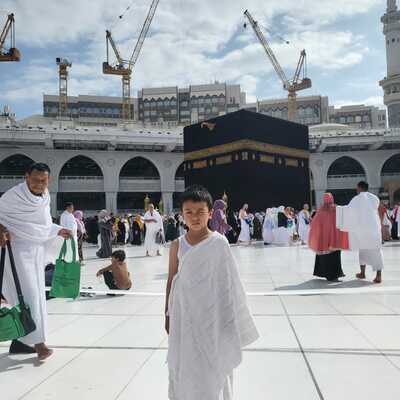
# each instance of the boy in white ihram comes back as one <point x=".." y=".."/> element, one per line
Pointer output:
<point x="206" y="312"/>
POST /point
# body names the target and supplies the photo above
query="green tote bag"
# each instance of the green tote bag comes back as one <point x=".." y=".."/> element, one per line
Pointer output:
<point x="17" y="321"/>
<point x="67" y="275"/>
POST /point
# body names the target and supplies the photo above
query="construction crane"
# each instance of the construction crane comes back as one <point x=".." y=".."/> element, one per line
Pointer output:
<point x="12" y="54"/>
<point x="63" y="65"/>
<point x="124" y="68"/>
<point x="295" y="84"/>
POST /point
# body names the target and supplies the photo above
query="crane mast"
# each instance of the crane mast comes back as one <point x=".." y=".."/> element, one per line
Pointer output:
<point x="63" y="65"/>
<point x="125" y="68"/>
<point x="295" y="84"/>
<point x="12" y="54"/>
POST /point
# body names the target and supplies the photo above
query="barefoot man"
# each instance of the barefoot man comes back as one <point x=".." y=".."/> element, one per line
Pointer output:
<point x="361" y="219"/>
<point x="25" y="220"/>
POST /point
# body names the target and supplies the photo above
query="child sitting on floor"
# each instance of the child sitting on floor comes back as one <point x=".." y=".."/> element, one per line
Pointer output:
<point x="116" y="276"/>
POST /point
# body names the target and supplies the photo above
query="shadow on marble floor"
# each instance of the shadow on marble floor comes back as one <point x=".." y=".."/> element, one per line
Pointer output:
<point x="323" y="284"/>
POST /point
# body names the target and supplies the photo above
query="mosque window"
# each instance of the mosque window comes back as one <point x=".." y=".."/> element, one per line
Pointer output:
<point x="393" y="40"/>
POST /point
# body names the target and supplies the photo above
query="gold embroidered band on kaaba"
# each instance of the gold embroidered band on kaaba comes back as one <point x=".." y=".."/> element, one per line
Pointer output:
<point x="246" y="144"/>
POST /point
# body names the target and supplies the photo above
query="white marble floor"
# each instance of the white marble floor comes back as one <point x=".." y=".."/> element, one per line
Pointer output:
<point x="327" y="341"/>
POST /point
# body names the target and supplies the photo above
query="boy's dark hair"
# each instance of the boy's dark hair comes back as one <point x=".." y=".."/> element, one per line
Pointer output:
<point x="197" y="193"/>
<point x="41" y="167"/>
<point x="363" y="186"/>
<point x="119" y="255"/>
<point x="67" y="205"/>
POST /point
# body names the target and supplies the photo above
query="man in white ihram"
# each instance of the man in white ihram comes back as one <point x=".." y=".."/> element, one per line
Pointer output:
<point x="361" y="219"/>
<point x="67" y="220"/>
<point x="154" y="223"/>
<point x="25" y="220"/>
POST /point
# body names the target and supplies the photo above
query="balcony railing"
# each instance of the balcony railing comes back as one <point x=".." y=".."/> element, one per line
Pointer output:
<point x="346" y="181"/>
<point x="81" y="178"/>
<point x="81" y="183"/>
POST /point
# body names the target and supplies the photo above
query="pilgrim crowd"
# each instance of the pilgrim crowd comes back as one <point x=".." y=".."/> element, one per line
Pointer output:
<point x="319" y="229"/>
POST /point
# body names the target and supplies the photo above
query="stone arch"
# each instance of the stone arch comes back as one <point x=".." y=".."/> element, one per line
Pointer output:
<point x="138" y="177"/>
<point x="81" y="165"/>
<point x="139" y="167"/>
<point x="343" y="175"/>
<point x="16" y="165"/>
<point x="81" y="181"/>
<point x="180" y="171"/>
<point x="392" y="165"/>
<point x="390" y="177"/>
<point x="346" y="165"/>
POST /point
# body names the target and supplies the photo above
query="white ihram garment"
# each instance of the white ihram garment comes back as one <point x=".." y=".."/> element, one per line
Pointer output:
<point x="304" y="228"/>
<point x="68" y="221"/>
<point x="361" y="219"/>
<point x="34" y="243"/>
<point x="269" y="226"/>
<point x="244" y="231"/>
<point x="152" y="228"/>
<point x="209" y="322"/>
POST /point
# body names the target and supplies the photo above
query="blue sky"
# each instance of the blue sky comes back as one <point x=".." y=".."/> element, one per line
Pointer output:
<point x="193" y="42"/>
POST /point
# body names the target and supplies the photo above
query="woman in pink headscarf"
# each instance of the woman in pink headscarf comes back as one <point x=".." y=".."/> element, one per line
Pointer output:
<point x="327" y="241"/>
<point x="81" y="232"/>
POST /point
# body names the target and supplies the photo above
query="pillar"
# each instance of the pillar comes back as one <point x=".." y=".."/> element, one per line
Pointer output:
<point x="319" y="172"/>
<point x="111" y="202"/>
<point x="319" y="196"/>
<point x="53" y="204"/>
<point x="168" y="202"/>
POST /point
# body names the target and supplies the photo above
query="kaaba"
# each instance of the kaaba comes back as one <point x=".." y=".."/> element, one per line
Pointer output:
<point x="252" y="157"/>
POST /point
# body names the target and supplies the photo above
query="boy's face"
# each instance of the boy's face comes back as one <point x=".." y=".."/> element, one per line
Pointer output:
<point x="196" y="214"/>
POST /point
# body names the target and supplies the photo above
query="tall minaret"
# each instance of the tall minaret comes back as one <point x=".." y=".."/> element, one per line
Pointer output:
<point x="391" y="83"/>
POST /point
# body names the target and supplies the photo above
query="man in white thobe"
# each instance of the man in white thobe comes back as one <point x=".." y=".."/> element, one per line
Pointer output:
<point x="304" y="224"/>
<point x="361" y="219"/>
<point x="25" y="220"/>
<point x="154" y="224"/>
<point x="68" y="221"/>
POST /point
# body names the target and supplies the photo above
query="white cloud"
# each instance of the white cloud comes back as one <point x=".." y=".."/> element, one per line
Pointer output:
<point x="190" y="42"/>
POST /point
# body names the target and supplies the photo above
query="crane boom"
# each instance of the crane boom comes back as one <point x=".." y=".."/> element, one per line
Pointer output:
<point x="143" y="33"/>
<point x="299" y="68"/>
<point x="113" y="45"/>
<point x="13" y="53"/>
<point x="268" y="50"/>
<point x="292" y="86"/>
<point x="6" y="29"/>
<point x="124" y="68"/>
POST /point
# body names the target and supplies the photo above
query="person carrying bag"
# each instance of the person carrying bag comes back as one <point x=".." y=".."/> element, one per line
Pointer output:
<point x="67" y="275"/>
<point x="17" y="321"/>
